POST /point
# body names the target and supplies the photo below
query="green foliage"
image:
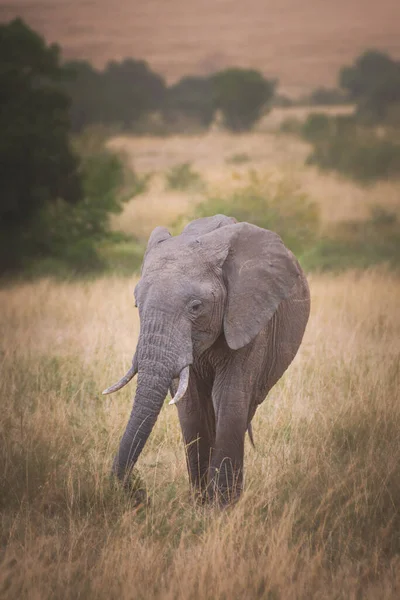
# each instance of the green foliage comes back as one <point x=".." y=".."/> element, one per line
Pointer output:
<point x="279" y="206"/>
<point x="374" y="83"/>
<point x="316" y="127"/>
<point x="75" y="237"/>
<point x="358" y="244"/>
<point x="37" y="165"/>
<point x="282" y="207"/>
<point x="183" y="177"/>
<point x="242" y="95"/>
<point x="121" y="95"/>
<point x="191" y="98"/>
<point x="354" y="151"/>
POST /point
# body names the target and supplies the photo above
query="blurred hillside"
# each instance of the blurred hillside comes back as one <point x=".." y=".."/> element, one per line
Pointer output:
<point x="302" y="43"/>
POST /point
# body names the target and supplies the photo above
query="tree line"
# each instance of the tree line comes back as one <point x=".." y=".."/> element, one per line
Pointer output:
<point x="125" y="93"/>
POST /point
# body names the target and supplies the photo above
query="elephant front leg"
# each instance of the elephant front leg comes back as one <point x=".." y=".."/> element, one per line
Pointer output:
<point x="226" y="469"/>
<point x="196" y="416"/>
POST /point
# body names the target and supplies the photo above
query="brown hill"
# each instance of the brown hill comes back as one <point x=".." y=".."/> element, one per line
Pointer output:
<point x="302" y="42"/>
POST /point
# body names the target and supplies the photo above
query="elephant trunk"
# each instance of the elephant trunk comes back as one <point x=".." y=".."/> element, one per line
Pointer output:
<point x="158" y="364"/>
<point x="152" y="388"/>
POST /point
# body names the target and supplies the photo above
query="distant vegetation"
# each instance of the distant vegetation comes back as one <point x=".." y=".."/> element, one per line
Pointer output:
<point x="58" y="195"/>
<point x="124" y="94"/>
<point x="373" y="82"/>
<point x="276" y="205"/>
<point x="190" y="102"/>
<point x="119" y="96"/>
<point x="242" y="95"/>
<point x="183" y="177"/>
<point x="365" y="146"/>
<point x="55" y="203"/>
<point x="358" y="152"/>
<point x="38" y="167"/>
<point x="280" y="205"/>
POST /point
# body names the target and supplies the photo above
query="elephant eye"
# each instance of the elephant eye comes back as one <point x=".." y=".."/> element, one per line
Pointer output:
<point x="195" y="306"/>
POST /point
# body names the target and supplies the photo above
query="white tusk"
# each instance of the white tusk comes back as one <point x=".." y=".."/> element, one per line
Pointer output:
<point x="183" y="385"/>
<point x="122" y="382"/>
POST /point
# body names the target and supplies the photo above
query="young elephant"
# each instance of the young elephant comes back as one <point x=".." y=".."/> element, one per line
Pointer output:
<point x="223" y="308"/>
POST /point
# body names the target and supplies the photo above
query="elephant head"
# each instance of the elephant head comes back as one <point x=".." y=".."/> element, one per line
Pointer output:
<point x="218" y="278"/>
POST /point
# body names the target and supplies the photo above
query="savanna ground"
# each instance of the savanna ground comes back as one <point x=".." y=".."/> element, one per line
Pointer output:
<point x="320" y="513"/>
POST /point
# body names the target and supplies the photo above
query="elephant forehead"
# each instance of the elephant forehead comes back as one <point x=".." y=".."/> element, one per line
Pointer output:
<point x="175" y="257"/>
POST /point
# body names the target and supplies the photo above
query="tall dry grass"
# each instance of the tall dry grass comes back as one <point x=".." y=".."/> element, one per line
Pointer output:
<point x="319" y="517"/>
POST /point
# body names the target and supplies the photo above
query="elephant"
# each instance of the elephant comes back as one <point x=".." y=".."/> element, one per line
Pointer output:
<point x="223" y="308"/>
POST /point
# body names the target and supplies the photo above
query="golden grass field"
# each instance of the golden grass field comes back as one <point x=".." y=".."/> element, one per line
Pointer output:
<point x="304" y="43"/>
<point x="281" y="157"/>
<point x="319" y="517"/>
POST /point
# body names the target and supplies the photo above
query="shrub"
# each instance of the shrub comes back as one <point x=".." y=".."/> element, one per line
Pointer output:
<point x="65" y="239"/>
<point x="357" y="153"/>
<point x="358" y="244"/>
<point x="276" y="205"/>
<point x="182" y="177"/>
<point x="316" y="127"/>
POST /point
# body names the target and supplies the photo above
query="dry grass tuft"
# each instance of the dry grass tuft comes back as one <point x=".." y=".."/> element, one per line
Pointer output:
<point x="319" y="517"/>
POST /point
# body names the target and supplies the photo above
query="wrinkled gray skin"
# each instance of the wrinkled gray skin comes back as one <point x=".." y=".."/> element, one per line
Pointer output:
<point x="232" y="302"/>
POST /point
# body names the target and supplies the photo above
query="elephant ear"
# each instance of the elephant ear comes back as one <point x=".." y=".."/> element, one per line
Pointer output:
<point x="259" y="272"/>
<point x="158" y="235"/>
<point x="206" y="225"/>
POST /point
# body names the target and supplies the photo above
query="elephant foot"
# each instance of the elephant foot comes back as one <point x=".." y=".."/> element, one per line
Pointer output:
<point x="225" y="486"/>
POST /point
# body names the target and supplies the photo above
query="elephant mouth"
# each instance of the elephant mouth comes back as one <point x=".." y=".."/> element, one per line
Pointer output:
<point x="182" y="387"/>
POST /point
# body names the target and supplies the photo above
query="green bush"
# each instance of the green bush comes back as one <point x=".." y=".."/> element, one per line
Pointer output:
<point x="316" y="127"/>
<point x="360" y="155"/>
<point x="341" y="143"/>
<point x="358" y="244"/>
<point x="241" y="95"/>
<point x="276" y="205"/>
<point x="64" y="238"/>
<point x="279" y="205"/>
<point x="183" y="177"/>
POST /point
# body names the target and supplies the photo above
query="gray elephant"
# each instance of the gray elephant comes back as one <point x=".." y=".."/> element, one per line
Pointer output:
<point x="223" y="308"/>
